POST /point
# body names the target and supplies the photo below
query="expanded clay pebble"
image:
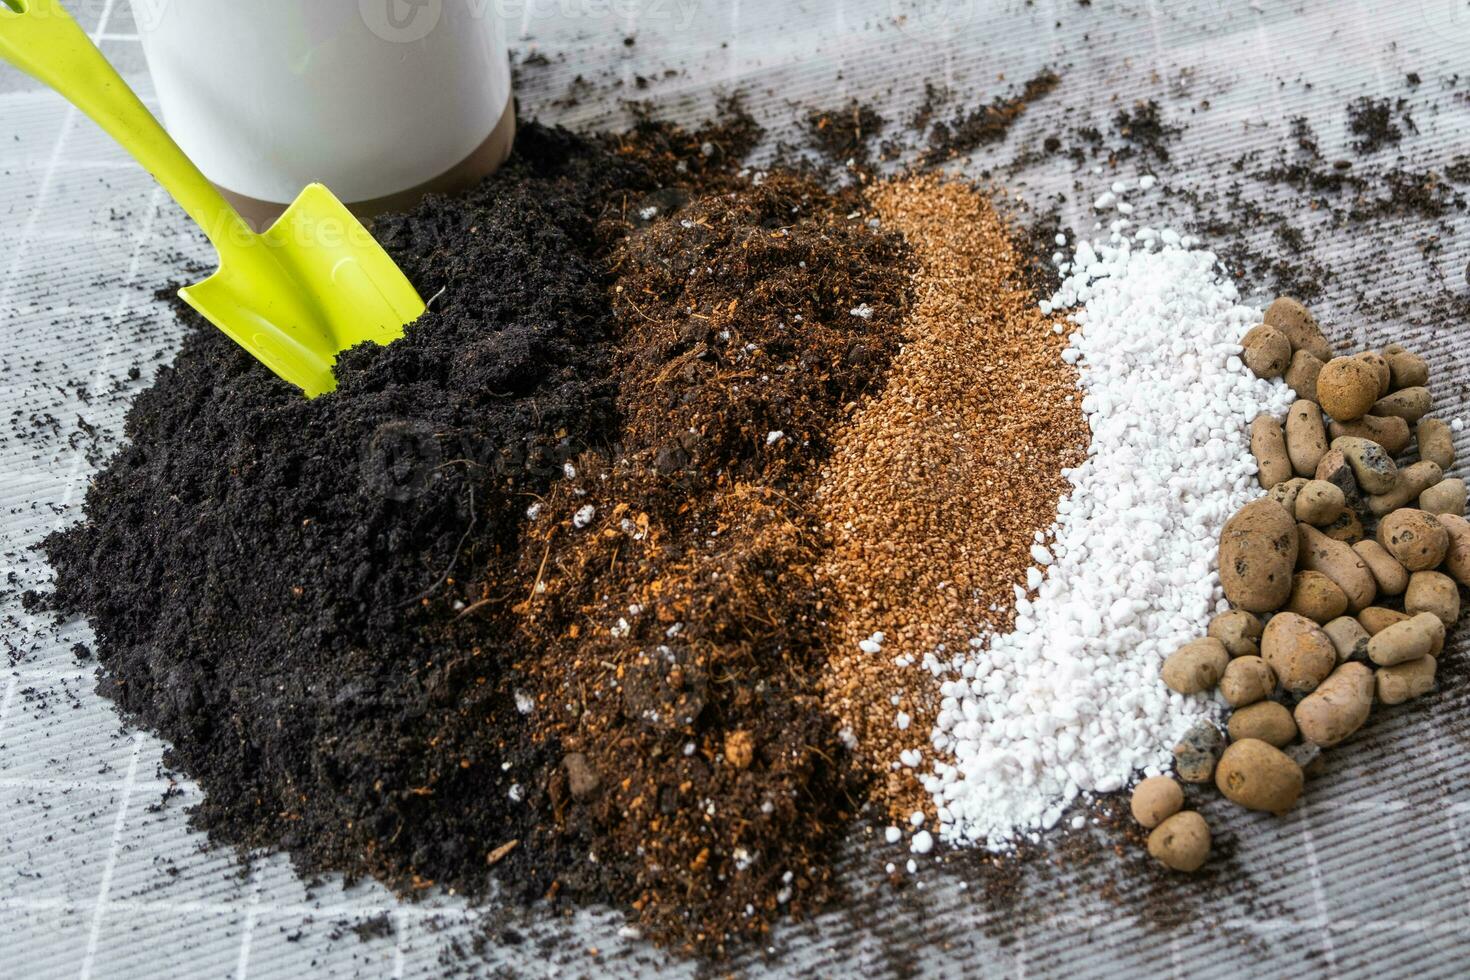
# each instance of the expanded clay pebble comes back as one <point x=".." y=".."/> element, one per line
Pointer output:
<point x="1286" y="492"/>
<point x="1445" y="497"/>
<point x="1395" y="685"/>
<point x="1298" y="651"/>
<point x="1133" y="549"/>
<point x="1416" y="538"/>
<point x="1316" y="597"/>
<point x="1339" y="562"/>
<point x="1380" y="368"/>
<point x="1306" y="437"/>
<point x="1376" y="619"/>
<point x="1301" y="376"/>
<point x="1300" y="327"/>
<point x="1319" y="503"/>
<point x="1246" y="681"/>
<point x="1239" y="630"/>
<point x="1266" y="352"/>
<point x="1410" y="482"/>
<point x="1374" y="470"/>
<point x="1433" y="592"/>
<point x="1269" y="721"/>
<point x="1259" y="547"/>
<point x="1406" y="369"/>
<point x="1436" y="442"/>
<point x="1198" y="751"/>
<point x="1409" y="404"/>
<point x="1335" y="469"/>
<point x="1196" y="667"/>
<point x="938" y="488"/>
<point x="1457" y="555"/>
<point x="1348" y="637"/>
<point x="1268" y="445"/>
<point x="1390" y="432"/>
<point x="1182" y="842"/>
<point x="1155" y="800"/>
<point x="1259" y="776"/>
<point x="1347" y="388"/>
<point x="1338" y="707"/>
<point x="1418" y="636"/>
<point x="1391" y="577"/>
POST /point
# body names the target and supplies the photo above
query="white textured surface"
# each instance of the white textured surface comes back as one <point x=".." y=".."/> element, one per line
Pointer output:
<point x="97" y="879"/>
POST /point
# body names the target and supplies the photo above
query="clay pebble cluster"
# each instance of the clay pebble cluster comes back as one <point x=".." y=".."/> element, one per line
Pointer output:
<point x="1342" y="580"/>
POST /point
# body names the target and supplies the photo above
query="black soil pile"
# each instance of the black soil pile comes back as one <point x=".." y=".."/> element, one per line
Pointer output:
<point x="528" y="597"/>
<point x="275" y="583"/>
<point x="679" y="627"/>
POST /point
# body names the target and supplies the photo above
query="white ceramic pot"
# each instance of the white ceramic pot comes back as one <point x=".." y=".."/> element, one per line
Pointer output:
<point x="381" y="100"/>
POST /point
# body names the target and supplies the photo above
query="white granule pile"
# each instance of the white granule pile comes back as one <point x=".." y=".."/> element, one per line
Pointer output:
<point x="1071" y="702"/>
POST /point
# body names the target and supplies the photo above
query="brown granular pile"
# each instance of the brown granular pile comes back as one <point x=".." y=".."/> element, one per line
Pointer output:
<point x="673" y="606"/>
<point x="935" y="490"/>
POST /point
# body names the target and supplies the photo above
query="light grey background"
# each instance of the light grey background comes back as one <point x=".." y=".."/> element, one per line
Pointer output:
<point x="99" y="874"/>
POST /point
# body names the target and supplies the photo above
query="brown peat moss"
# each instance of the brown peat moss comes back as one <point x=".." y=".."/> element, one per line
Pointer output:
<point x="678" y="626"/>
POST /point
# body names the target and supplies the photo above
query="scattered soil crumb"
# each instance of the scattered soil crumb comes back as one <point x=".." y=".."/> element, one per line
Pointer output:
<point x="1371" y="121"/>
<point x="967" y="131"/>
<point x="844" y="135"/>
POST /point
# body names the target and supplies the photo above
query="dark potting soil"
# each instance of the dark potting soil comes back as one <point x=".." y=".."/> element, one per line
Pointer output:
<point x="376" y="631"/>
<point x="274" y="583"/>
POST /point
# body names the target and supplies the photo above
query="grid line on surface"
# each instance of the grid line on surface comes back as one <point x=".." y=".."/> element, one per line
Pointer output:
<point x="1268" y="926"/>
<point x="48" y="179"/>
<point x="144" y="906"/>
<point x="110" y="349"/>
<point x="99" y="910"/>
<point x="7" y="700"/>
<point x="252" y="914"/>
<point x="400" y="926"/>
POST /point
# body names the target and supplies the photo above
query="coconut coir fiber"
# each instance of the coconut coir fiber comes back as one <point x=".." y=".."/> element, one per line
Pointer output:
<point x="933" y="494"/>
<point x="529" y="597"/>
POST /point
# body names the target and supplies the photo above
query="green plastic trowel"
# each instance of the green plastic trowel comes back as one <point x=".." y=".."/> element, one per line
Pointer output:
<point x="314" y="284"/>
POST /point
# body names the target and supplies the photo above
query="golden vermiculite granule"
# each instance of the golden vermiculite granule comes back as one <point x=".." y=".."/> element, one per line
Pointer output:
<point x="937" y="487"/>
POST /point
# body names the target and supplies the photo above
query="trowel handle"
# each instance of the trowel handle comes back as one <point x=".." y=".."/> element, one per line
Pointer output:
<point x="40" y="38"/>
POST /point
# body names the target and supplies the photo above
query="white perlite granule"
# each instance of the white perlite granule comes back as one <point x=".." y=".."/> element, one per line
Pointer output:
<point x="1071" y="701"/>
